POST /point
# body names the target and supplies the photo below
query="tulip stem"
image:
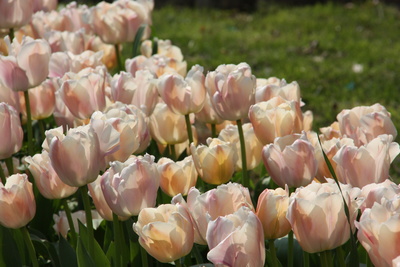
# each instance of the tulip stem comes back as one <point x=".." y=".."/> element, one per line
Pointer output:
<point x="2" y="175"/>
<point x="213" y="130"/>
<point x="272" y="249"/>
<point x="290" y="249"/>
<point x="10" y="165"/>
<point x="326" y="259"/>
<point x="42" y="130"/>
<point x="245" y="178"/>
<point x="117" y="240"/>
<point x="340" y="257"/>
<point x="306" y="259"/>
<point x="89" y="221"/>
<point x="29" y="123"/>
<point x="70" y="222"/>
<point x="172" y="151"/>
<point x="119" y="59"/>
<point x="178" y="263"/>
<point x="143" y="254"/>
<point x="189" y="129"/>
<point x="29" y="246"/>
<point x="11" y="34"/>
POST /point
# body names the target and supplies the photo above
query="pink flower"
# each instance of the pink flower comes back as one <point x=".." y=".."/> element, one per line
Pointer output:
<point x="15" y="13"/>
<point x="11" y="132"/>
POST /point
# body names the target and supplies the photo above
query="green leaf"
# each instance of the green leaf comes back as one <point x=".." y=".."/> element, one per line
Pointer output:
<point x="9" y="253"/>
<point x="66" y="254"/>
<point x="138" y="39"/>
<point x="84" y="260"/>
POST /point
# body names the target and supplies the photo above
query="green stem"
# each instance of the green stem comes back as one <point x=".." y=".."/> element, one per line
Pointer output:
<point x="213" y="130"/>
<point x="340" y="257"/>
<point x="89" y="221"/>
<point x="290" y="249"/>
<point x="2" y="176"/>
<point x="245" y="178"/>
<point x="117" y="240"/>
<point x="29" y="123"/>
<point x="178" y="263"/>
<point x="11" y="34"/>
<point x="10" y="165"/>
<point x="326" y="259"/>
<point x="306" y="259"/>
<point x="42" y="130"/>
<point x="70" y="222"/>
<point x="29" y="246"/>
<point x="272" y="249"/>
<point x="189" y="129"/>
<point x="172" y="152"/>
<point x="119" y="59"/>
<point x="143" y="254"/>
<point x="197" y="254"/>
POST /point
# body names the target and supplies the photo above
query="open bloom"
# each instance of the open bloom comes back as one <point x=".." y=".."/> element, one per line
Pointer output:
<point x="17" y="202"/>
<point x="232" y="90"/>
<point x="11" y="133"/>
<point x="166" y="232"/>
<point x="236" y="240"/>
<point x="319" y="209"/>
<point x="27" y="64"/>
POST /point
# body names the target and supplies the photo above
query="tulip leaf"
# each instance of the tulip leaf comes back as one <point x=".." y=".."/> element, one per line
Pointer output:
<point x="45" y="249"/>
<point x="84" y="260"/>
<point x="138" y="39"/>
<point x="9" y="253"/>
<point x="66" y="253"/>
<point x="110" y="252"/>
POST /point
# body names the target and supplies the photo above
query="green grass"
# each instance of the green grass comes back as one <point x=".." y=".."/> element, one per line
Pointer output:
<point x="313" y="45"/>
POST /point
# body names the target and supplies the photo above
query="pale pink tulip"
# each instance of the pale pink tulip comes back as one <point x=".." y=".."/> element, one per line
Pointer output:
<point x="123" y="87"/>
<point x="61" y="225"/>
<point x="221" y="201"/>
<point x="46" y="179"/>
<point x="367" y="164"/>
<point x="207" y="114"/>
<point x="164" y="48"/>
<point x="290" y="92"/>
<point x="236" y="240"/>
<point x="9" y="97"/>
<point x="378" y="193"/>
<point x="146" y="95"/>
<point x="232" y="90"/>
<point x="131" y="186"/>
<point x="183" y="95"/>
<point x="216" y="162"/>
<point x="11" y="133"/>
<point x="75" y="42"/>
<point x="290" y="160"/>
<point x="165" y="232"/>
<point x="15" y="13"/>
<point x="45" y="5"/>
<point x="76" y="157"/>
<point x="319" y="209"/>
<point x="272" y="208"/>
<point x="156" y="64"/>
<point x="17" y="202"/>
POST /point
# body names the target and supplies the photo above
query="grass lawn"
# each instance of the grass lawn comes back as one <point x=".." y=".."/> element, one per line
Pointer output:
<point x="317" y="46"/>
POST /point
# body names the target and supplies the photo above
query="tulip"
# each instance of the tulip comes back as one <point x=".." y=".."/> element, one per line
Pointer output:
<point x="275" y="118"/>
<point x="131" y="186"/>
<point x="272" y="208"/>
<point x="378" y="193"/>
<point x="164" y="48"/>
<point x="123" y="87"/>
<point x="62" y="227"/>
<point x="290" y="160"/>
<point x="319" y="208"/>
<point x="232" y="90"/>
<point x="290" y="92"/>
<point x="9" y="97"/>
<point x="216" y="162"/>
<point x="165" y="232"/>
<point x="367" y="164"/>
<point x="156" y="64"/>
<point x="331" y="131"/>
<point x="236" y="240"/>
<point x="183" y="96"/>
<point x="177" y="177"/>
<point x="220" y="201"/>
<point x="19" y="71"/>
<point x="46" y="179"/>
<point x="45" y="5"/>
<point x="366" y="123"/>
<point x="17" y="202"/>
<point x="146" y="95"/>
<point x="207" y="114"/>
<point x="63" y="116"/>
<point x="76" y="156"/>
<point x="74" y="42"/>
<point x="379" y="232"/>
<point x="253" y="145"/>
<point x="15" y="13"/>
<point x="10" y="131"/>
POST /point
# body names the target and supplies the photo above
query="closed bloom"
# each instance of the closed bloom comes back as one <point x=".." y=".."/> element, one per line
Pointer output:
<point x="272" y="208"/>
<point x="76" y="156"/>
<point x="11" y="132"/>
<point x="177" y="177"/>
<point x="379" y="232"/>
<point x="236" y="240"/>
<point x="319" y="209"/>
<point x="165" y="232"/>
<point x="15" y="13"/>
<point x="367" y="164"/>
<point x="290" y="160"/>
<point x="61" y="225"/>
<point x="275" y="118"/>
<point x="46" y="179"/>
<point x="27" y="64"/>
<point x="156" y="64"/>
<point x="288" y="92"/>
<point x="216" y="162"/>
<point x="131" y="186"/>
<point x="17" y="202"/>
<point x="232" y="90"/>
<point x="220" y="201"/>
<point x="183" y="96"/>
